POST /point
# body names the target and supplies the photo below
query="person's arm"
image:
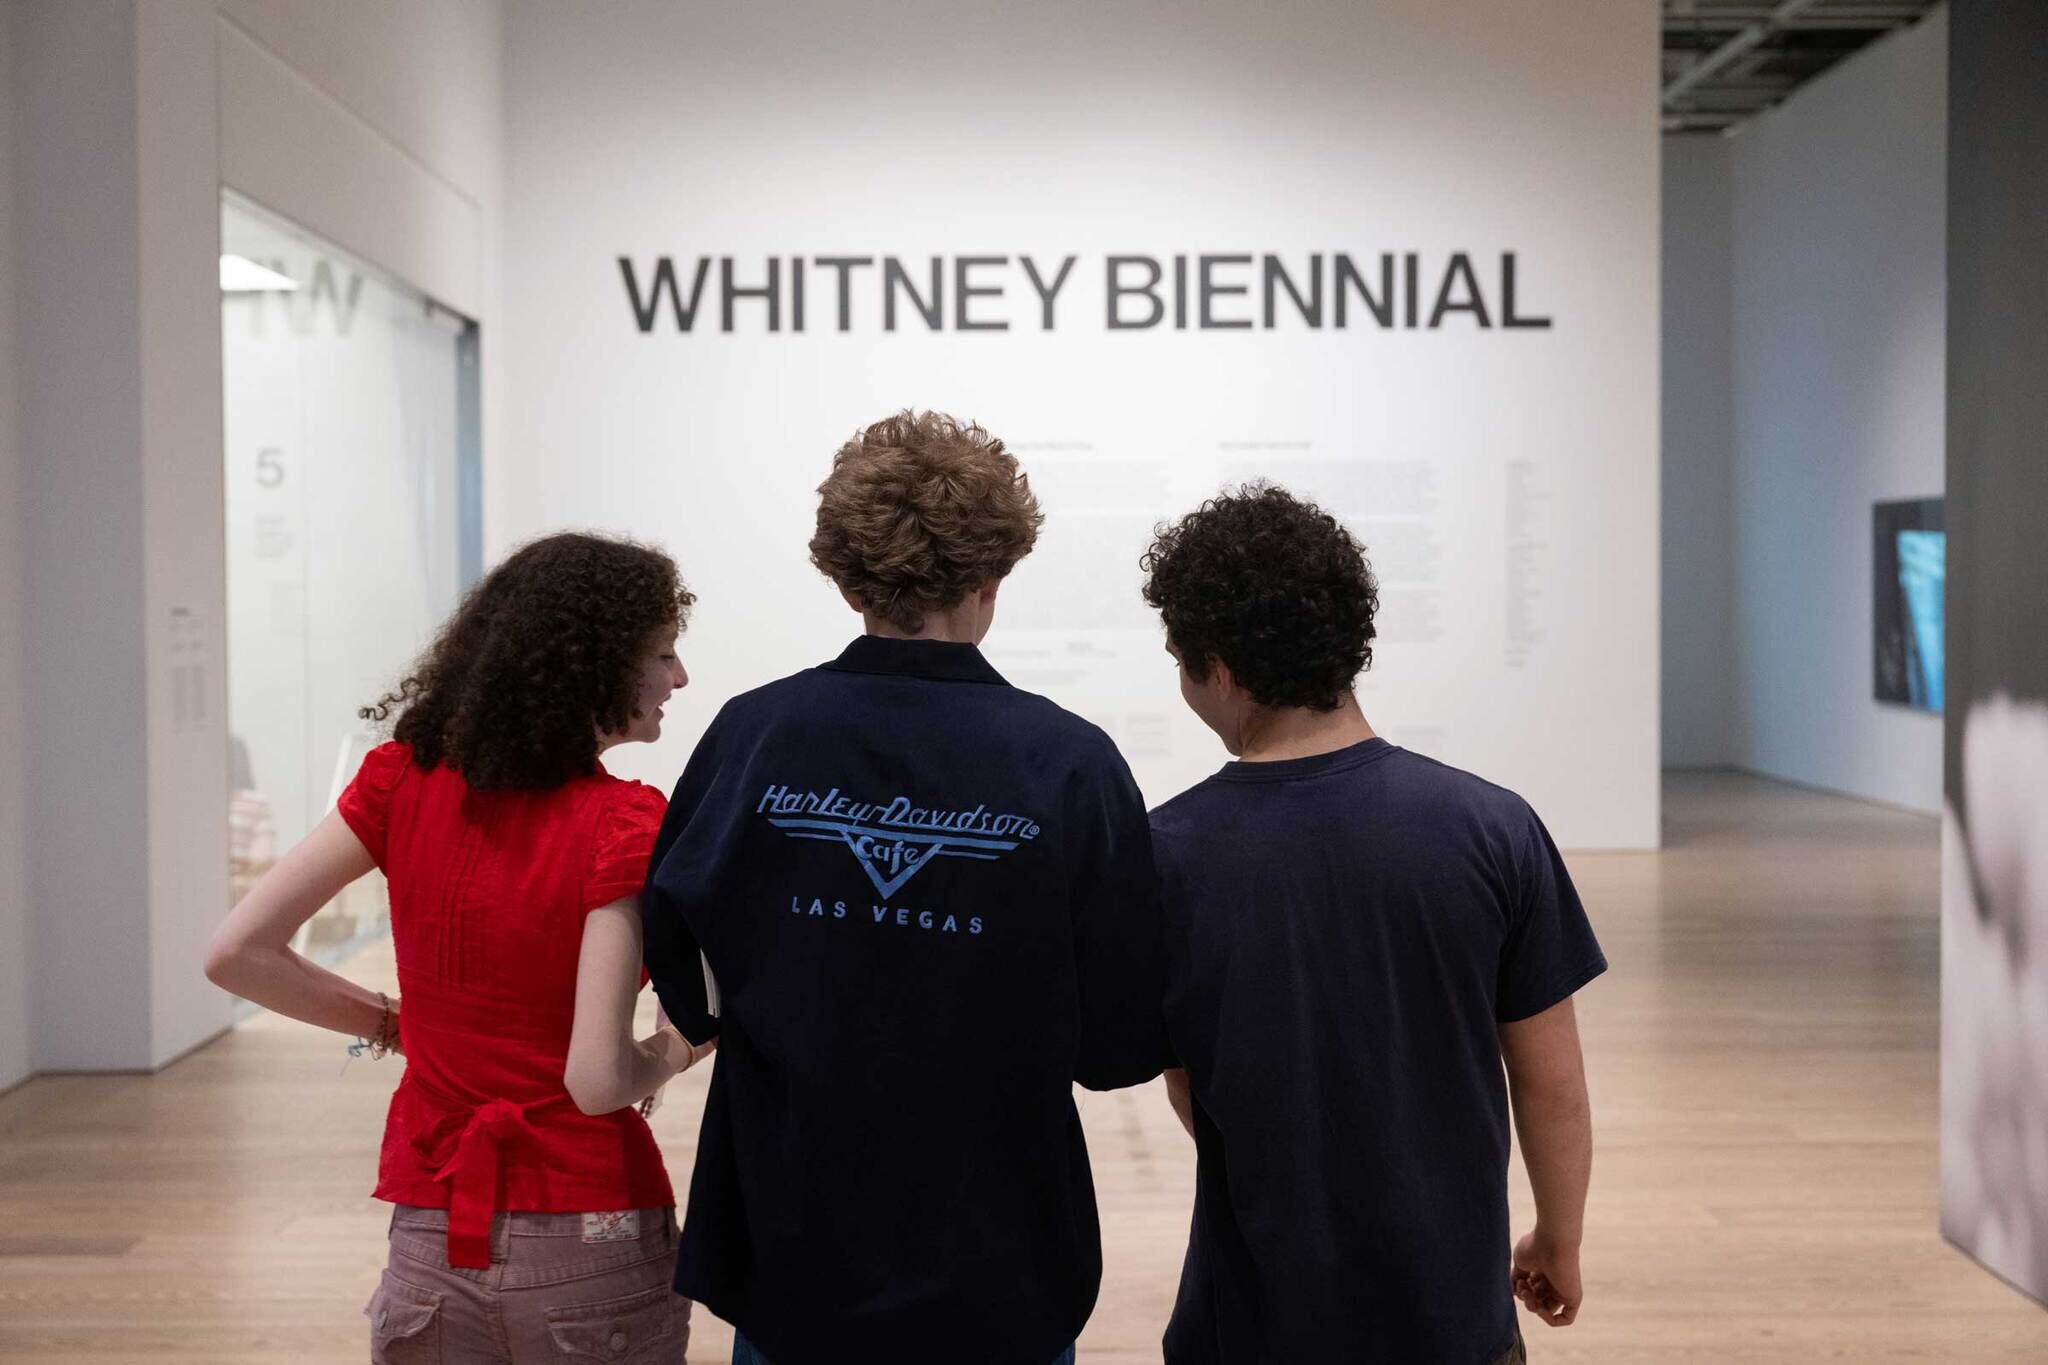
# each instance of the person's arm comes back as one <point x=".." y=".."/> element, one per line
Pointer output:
<point x="1119" y="959"/>
<point x="251" y="952"/>
<point x="675" y="964"/>
<point x="1554" y="1119"/>
<point x="606" y="1068"/>
<point x="1179" y="1096"/>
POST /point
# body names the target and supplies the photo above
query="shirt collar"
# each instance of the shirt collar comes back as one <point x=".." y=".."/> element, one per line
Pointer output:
<point x="1314" y="765"/>
<point x="941" y="660"/>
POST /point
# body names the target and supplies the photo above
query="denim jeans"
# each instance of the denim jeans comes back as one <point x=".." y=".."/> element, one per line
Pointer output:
<point x="744" y="1353"/>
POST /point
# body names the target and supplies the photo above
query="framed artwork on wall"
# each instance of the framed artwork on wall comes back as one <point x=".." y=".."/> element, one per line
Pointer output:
<point x="1908" y="561"/>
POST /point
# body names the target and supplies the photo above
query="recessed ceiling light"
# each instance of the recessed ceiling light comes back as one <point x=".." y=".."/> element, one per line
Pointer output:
<point x="240" y="275"/>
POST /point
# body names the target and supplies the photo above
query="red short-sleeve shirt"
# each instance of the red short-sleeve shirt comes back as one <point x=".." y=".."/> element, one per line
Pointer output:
<point x="488" y="895"/>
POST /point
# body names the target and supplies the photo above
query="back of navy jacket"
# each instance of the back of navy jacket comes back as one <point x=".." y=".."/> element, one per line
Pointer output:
<point x="928" y="903"/>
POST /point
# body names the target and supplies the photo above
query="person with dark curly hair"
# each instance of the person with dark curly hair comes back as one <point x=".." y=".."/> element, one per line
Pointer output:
<point x="928" y="906"/>
<point x="534" y="1213"/>
<point x="1358" y="936"/>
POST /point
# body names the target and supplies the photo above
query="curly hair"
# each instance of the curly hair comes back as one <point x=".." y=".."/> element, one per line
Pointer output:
<point x="540" y="656"/>
<point x="920" y="509"/>
<point x="1271" y="585"/>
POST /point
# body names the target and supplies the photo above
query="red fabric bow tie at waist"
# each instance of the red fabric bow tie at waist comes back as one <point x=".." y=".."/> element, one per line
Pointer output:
<point x="473" y="1174"/>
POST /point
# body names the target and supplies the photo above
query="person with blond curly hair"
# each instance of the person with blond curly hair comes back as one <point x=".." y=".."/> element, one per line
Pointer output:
<point x="925" y="906"/>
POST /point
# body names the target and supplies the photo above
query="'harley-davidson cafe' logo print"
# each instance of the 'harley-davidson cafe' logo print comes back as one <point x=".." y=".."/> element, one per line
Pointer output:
<point x="893" y="840"/>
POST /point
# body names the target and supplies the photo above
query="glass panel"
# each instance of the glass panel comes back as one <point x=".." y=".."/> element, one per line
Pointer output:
<point x="352" y="524"/>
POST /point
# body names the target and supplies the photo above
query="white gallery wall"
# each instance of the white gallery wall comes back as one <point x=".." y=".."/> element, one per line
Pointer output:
<point x="1838" y="345"/>
<point x="80" y="425"/>
<point x="373" y="124"/>
<point x="1498" y="452"/>
<point x="14" y="1025"/>
<point x="1698" y="616"/>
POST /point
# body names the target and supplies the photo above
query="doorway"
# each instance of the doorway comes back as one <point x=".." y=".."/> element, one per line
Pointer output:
<point x="353" y="515"/>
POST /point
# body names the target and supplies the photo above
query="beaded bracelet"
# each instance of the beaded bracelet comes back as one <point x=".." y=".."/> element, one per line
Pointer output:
<point x="386" y="1041"/>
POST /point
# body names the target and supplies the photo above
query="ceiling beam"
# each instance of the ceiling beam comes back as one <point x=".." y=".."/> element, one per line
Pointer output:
<point x="1735" y="48"/>
<point x="1753" y="12"/>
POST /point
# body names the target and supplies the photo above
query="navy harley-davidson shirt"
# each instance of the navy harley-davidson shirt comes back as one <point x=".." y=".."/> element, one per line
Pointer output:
<point x="928" y="905"/>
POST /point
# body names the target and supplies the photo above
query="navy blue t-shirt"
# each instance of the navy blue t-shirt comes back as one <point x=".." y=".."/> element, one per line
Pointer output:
<point x="1345" y="933"/>
<point x="928" y="902"/>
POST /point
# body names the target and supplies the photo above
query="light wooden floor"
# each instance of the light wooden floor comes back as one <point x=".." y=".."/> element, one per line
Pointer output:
<point x="1762" y="1057"/>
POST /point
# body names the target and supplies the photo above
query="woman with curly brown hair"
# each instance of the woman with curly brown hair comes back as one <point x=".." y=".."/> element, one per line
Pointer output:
<point x="534" y="1214"/>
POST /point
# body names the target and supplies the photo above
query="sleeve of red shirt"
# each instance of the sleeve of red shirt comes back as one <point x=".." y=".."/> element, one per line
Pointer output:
<point x="623" y="844"/>
<point x="366" y="802"/>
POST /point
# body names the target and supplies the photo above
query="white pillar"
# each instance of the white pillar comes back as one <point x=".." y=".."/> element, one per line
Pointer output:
<point x="119" y="391"/>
